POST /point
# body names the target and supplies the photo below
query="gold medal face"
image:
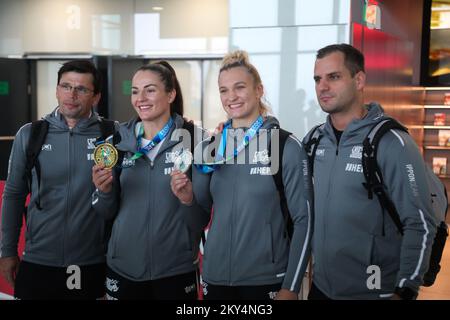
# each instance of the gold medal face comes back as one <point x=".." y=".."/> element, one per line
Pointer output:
<point x="105" y="154"/>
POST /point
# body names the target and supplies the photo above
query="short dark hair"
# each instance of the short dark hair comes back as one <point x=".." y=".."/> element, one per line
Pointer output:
<point x="353" y="58"/>
<point x="169" y="78"/>
<point x="82" y="66"/>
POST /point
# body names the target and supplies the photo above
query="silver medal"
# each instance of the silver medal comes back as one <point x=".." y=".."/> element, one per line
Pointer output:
<point x="183" y="161"/>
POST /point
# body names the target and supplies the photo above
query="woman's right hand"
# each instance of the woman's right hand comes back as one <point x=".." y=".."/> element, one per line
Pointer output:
<point x="102" y="178"/>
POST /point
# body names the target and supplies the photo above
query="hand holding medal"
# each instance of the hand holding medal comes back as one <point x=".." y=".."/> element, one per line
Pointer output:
<point x="180" y="184"/>
<point x="105" y="158"/>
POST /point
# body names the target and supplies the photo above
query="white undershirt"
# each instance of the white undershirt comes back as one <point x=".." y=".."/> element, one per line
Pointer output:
<point x="154" y="152"/>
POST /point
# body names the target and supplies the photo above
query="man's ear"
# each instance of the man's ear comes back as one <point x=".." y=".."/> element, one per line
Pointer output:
<point x="360" y="79"/>
<point x="97" y="99"/>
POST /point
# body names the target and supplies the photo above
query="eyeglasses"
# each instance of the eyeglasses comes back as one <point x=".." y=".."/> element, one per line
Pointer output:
<point x="67" y="88"/>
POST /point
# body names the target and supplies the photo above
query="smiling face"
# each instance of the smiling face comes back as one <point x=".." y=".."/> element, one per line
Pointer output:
<point x="76" y="102"/>
<point x="336" y="89"/>
<point x="239" y="95"/>
<point x="149" y="97"/>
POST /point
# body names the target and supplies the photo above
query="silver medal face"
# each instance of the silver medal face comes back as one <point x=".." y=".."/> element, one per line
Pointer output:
<point x="183" y="161"/>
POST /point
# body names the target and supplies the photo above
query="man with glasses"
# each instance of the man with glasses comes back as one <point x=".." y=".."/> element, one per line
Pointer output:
<point x="65" y="239"/>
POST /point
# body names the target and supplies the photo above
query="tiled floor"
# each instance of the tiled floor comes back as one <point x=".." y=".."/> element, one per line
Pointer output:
<point x="441" y="288"/>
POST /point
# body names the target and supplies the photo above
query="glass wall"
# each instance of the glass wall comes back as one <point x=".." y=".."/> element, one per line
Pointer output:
<point x="282" y="40"/>
<point x="47" y="79"/>
<point x="198" y="81"/>
<point x="150" y="27"/>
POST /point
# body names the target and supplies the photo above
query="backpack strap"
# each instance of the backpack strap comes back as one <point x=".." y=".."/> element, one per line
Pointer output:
<point x="278" y="179"/>
<point x="312" y="144"/>
<point x="36" y="139"/>
<point x="372" y="172"/>
<point x="107" y="129"/>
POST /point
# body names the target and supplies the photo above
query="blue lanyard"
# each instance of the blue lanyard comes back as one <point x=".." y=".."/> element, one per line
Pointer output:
<point x="157" y="139"/>
<point x="249" y="135"/>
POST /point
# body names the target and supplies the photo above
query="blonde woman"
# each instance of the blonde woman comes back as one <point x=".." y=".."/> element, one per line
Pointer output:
<point x="248" y="254"/>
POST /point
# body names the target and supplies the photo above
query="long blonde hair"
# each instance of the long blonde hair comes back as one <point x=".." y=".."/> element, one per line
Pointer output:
<point x="239" y="58"/>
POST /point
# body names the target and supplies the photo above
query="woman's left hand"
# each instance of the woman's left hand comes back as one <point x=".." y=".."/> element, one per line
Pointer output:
<point x="285" y="294"/>
<point x="181" y="187"/>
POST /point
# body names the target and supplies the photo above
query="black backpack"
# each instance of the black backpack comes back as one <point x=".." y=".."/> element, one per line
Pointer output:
<point x="278" y="179"/>
<point x="374" y="185"/>
<point x="36" y="139"/>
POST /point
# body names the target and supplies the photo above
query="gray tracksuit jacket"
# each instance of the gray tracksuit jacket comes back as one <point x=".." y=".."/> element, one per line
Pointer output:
<point x="352" y="236"/>
<point x="154" y="236"/>
<point x="246" y="243"/>
<point x="66" y="231"/>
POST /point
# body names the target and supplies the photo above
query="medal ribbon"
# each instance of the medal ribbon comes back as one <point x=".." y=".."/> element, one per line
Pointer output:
<point x="157" y="139"/>
<point x="220" y="159"/>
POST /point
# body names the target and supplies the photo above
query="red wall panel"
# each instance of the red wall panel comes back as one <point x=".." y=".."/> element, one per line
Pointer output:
<point x="4" y="286"/>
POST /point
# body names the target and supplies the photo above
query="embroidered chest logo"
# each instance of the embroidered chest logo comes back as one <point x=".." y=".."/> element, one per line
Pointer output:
<point x="320" y="152"/>
<point x="171" y="156"/>
<point x="262" y="171"/>
<point x="128" y="162"/>
<point x="91" y="143"/>
<point x="354" y="167"/>
<point x="46" y="147"/>
<point x="112" y="285"/>
<point x="356" y="152"/>
<point x="261" y="156"/>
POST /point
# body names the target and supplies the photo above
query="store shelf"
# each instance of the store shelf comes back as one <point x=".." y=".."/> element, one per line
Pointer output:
<point x="435" y="127"/>
<point x="443" y="177"/>
<point x="437" y="88"/>
<point x="441" y="106"/>
<point x="436" y="148"/>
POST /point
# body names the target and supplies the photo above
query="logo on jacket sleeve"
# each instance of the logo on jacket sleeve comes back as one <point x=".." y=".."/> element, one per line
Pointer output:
<point x="356" y="152"/>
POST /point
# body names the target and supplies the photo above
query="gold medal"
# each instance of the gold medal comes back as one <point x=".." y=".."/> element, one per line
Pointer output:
<point x="105" y="154"/>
